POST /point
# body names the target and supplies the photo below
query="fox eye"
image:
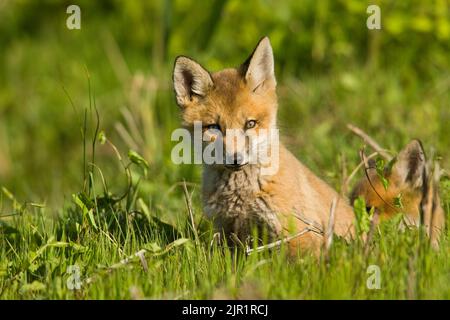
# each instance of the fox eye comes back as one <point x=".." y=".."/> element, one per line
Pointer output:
<point x="250" y="124"/>
<point x="213" y="126"/>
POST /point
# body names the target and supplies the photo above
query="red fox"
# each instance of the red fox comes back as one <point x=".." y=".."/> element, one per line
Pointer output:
<point x="408" y="179"/>
<point x="238" y="195"/>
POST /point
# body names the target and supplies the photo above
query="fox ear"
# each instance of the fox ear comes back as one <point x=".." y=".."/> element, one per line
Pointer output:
<point x="258" y="69"/>
<point x="190" y="79"/>
<point x="410" y="165"/>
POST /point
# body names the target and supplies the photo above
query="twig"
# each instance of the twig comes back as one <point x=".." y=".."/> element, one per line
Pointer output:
<point x="344" y="174"/>
<point x="215" y="236"/>
<point x="427" y="201"/>
<point x="355" y="171"/>
<point x="277" y="243"/>
<point x="366" y="165"/>
<point x="310" y="223"/>
<point x="190" y="211"/>
<point x="328" y="239"/>
<point x="180" y="183"/>
<point x="432" y="196"/>
<point x="437" y="173"/>
<point x="371" y="142"/>
<point x="373" y="224"/>
<point x="8" y="215"/>
<point x="236" y="240"/>
<point x="140" y="254"/>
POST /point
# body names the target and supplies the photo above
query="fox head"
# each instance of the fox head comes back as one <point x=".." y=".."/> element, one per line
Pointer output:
<point x="236" y="102"/>
<point x="406" y="181"/>
<point x="410" y="190"/>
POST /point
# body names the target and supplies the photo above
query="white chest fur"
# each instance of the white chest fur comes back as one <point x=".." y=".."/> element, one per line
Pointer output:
<point x="236" y="202"/>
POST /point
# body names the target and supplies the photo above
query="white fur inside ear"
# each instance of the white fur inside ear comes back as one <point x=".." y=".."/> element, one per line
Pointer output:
<point x="261" y="67"/>
<point x="411" y="164"/>
<point x="190" y="78"/>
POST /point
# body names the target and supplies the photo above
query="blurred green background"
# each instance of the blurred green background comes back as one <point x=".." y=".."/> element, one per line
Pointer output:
<point x="393" y="83"/>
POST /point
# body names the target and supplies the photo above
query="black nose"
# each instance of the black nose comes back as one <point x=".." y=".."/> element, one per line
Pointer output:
<point x="236" y="159"/>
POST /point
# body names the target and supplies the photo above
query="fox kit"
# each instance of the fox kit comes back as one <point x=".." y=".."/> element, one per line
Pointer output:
<point x="409" y="180"/>
<point x="239" y="195"/>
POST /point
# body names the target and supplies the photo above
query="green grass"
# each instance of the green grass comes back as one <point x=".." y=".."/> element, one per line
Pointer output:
<point x="38" y="244"/>
<point x="62" y="205"/>
<point x="38" y="249"/>
<point x="98" y="229"/>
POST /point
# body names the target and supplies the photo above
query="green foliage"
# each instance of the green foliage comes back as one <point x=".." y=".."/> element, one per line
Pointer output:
<point x="146" y="265"/>
<point x="138" y="160"/>
<point x="379" y="166"/>
<point x="331" y="70"/>
<point x="363" y="217"/>
<point x="398" y="202"/>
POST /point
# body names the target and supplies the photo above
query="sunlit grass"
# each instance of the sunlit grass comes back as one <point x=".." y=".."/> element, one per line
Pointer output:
<point x="60" y="206"/>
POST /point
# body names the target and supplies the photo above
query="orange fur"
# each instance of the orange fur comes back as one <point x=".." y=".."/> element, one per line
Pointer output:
<point x="408" y="179"/>
<point x="235" y="200"/>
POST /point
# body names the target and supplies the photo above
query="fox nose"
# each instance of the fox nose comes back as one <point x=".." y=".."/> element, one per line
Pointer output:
<point x="237" y="159"/>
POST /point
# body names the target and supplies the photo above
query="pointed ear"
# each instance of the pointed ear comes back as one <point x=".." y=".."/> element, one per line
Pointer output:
<point x="411" y="164"/>
<point x="258" y="69"/>
<point x="190" y="79"/>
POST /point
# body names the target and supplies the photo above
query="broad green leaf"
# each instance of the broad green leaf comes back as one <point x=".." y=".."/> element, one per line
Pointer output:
<point x="137" y="159"/>
<point x="362" y="216"/>
<point x="91" y="218"/>
<point x="380" y="172"/>
<point x="102" y="137"/>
